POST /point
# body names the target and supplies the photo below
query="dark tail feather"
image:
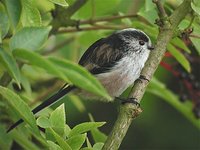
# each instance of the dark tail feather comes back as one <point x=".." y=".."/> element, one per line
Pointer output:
<point x="63" y="91"/>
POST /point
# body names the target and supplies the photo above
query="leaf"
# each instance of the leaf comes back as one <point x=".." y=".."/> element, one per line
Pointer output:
<point x="97" y="135"/>
<point x="159" y="89"/>
<point x="30" y="38"/>
<point x="77" y="102"/>
<point x="179" y="57"/>
<point x="60" y="140"/>
<point x="84" y="127"/>
<point x="43" y="122"/>
<point x="14" y="9"/>
<point x="5" y="139"/>
<point x="58" y="120"/>
<point x="4" y="21"/>
<point x="179" y="43"/>
<point x="67" y="130"/>
<point x="196" y="43"/>
<point x="30" y="14"/>
<point x="149" y="5"/>
<point x="80" y="77"/>
<point x="23" y="141"/>
<point x="98" y="146"/>
<point x="19" y="107"/>
<point x="101" y="7"/>
<point x="59" y="2"/>
<point x="53" y="146"/>
<point x="196" y="6"/>
<point x="149" y="15"/>
<point x="10" y="64"/>
<point x="76" y="141"/>
<point x="37" y="60"/>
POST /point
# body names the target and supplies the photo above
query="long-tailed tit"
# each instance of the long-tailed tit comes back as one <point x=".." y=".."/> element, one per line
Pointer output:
<point x="116" y="61"/>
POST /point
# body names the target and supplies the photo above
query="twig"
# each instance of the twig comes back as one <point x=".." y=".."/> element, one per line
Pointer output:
<point x="194" y="36"/>
<point x="104" y="19"/>
<point x="166" y="33"/>
<point x="89" y="29"/>
<point x="161" y="11"/>
<point x="62" y="16"/>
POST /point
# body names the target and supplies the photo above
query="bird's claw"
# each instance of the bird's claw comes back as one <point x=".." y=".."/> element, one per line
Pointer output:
<point x="129" y="100"/>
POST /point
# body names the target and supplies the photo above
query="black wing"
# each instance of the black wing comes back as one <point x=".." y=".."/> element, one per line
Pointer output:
<point x="101" y="56"/>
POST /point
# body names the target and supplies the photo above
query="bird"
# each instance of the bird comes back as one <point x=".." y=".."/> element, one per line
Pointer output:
<point x="116" y="61"/>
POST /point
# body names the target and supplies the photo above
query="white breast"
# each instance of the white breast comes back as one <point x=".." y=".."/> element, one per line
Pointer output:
<point x="119" y="78"/>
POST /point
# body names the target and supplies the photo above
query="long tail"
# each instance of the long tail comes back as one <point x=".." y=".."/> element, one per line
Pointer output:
<point x="62" y="92"/>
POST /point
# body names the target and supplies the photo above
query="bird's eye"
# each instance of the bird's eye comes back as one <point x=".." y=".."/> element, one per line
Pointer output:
<point x="141" y="42"/>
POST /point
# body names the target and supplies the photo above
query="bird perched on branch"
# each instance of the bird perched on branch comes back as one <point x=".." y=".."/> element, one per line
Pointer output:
<point x="116" y="61"/>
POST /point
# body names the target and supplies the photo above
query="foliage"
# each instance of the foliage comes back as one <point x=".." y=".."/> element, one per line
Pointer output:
<point x="38" y="47"/>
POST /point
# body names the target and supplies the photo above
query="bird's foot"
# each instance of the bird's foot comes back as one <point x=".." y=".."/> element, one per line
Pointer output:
<point x="129" y="100"/>
<point x="142" y="77"/>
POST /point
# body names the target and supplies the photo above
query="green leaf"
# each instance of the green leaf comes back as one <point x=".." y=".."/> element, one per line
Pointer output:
<point x="179" y="43"/>
<point x="37" y="60"/>
<point x="19" y="107"/>
<point x="101" y="7"/>
<point x="30" y="38"/>
<point x="60" y="140"/>
<point x="97" y="135"/>
<point x="67" y="130"/>
<point x="196" y="6"/>
<point x="5" y="139"/>
<point x="85" y="127"/>
<point x="78" y="103"/>
<point x="149" y="15"/>
<point x="159" y="89"/>
<point x="43" y="122"/>
<point x="4" y="21"/>
<point x="23" y="141"/>
<point x="80" y="77"/>
<point x="53" y="146"/>
<point x="149" y="5"/>
<point x="58" y="120"/>
<point x="196" y="43"/>
<point x="179" y="57"/>
<point x="89" y="145"/>
<point x="30" y="14"/>
<point x="59" y="2"/>
<point x="14" y="9"/>
<point x="98" y="146"/>
<point x="10" y="64"/>
<point x="76" y="141"/>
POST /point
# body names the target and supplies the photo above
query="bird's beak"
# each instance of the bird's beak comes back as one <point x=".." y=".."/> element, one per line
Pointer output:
<point x="150" y="47"/>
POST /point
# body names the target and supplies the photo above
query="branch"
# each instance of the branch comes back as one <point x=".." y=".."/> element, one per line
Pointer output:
<point x="129" y="111"/>
<point x="161" y="11"/>
<point x="103" y="19"/>
<point x="89" y="29"/>
<point x="62" y="16"/>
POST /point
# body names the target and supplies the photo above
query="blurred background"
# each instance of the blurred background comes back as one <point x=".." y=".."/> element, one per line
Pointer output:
<point x="165" y="123"/>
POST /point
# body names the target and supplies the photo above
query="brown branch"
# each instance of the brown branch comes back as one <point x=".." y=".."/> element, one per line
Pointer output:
<point x="161" y="11"/>
<point x="194" y="36"/>
<point x="129" y="111"/>
<point x="89" y="29"/>
<point x="103" y="19"/>
<point x="62" y="16"/>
